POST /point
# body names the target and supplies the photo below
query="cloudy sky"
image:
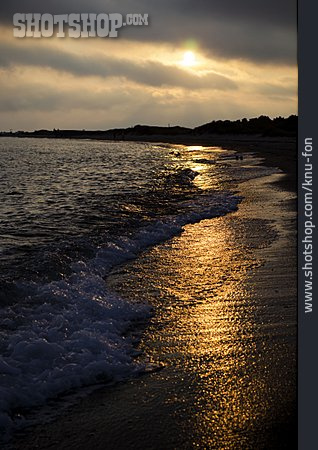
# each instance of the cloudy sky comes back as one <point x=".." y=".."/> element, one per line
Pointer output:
<point x="196" y="61"/>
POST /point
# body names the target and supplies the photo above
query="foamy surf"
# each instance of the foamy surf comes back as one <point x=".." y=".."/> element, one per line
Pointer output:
<point x="76" y="336"/>
<point x="74" y="332"/>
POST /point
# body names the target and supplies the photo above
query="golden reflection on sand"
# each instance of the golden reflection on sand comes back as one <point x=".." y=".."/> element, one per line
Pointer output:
<point x="201" y="296"/>
<point x="223" y="341"/>
<point x="213" y="332"/>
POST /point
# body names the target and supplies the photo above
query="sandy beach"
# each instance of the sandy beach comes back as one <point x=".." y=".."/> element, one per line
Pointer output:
<point x="224" y="334"/>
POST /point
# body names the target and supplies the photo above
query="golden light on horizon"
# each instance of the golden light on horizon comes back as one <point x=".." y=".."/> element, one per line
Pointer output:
<point x="192" y="148"/>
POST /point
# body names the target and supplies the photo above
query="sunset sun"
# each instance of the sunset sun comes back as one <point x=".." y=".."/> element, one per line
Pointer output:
<point x="189" y="59"/>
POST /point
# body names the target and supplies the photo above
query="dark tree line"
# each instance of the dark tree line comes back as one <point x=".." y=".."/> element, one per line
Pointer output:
<point x="263" y="125"/>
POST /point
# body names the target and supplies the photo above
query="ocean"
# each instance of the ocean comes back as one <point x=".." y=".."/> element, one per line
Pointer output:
<point x="71" y="211"/>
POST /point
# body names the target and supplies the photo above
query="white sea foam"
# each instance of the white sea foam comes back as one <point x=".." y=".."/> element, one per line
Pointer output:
<point x="74" y="337"/>
<point x="73" y="332"/>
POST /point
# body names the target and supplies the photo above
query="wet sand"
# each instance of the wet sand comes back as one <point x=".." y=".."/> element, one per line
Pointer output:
<point x="224" y="331"/>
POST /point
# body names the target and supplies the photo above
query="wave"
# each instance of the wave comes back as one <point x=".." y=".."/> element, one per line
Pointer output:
<point x="75" y="332"/>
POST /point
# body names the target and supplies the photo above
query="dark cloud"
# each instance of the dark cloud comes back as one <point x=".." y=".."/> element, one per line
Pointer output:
<point x="261" y="31"/>
<point x="277" y="89"/>
<point x="42" y="97"/>
<point x="150" y="73"/>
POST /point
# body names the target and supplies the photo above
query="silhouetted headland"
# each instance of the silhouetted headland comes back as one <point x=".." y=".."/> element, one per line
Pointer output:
<point x="262" y="126"/>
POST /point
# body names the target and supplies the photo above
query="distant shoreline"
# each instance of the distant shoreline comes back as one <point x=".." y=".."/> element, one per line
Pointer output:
<point x="262" y="126"/>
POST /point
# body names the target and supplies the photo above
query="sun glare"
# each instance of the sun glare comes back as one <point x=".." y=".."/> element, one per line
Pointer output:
<point x="189" y="59"/>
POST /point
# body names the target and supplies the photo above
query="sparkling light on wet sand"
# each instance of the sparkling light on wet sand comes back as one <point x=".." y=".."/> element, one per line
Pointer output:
<point x="227" y="322"/>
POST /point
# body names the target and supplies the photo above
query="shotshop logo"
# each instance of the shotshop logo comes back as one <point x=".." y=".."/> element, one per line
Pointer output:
<point x="74" y="25"/>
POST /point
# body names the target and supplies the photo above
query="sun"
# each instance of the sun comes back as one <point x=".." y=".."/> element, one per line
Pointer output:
<point x="189" y="59"/>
